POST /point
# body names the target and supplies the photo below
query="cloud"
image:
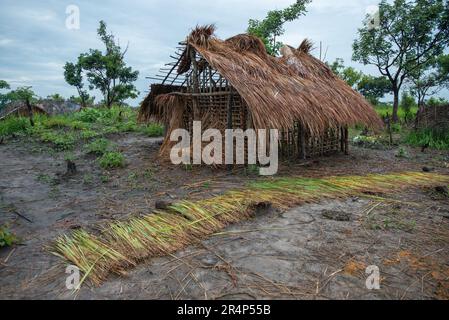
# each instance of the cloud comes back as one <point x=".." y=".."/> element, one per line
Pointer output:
<point x="5" y="42"/>
<point x="35" y="43"/>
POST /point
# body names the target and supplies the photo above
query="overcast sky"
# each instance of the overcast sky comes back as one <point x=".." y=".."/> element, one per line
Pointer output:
<point x="35" y="43"/>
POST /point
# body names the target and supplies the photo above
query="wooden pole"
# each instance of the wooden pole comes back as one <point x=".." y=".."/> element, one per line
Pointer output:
<point x="229" y="120"/>
<point x="346" y="141"/>
<point x="301" y="143"/>
<point x="195" y="85"/>
<point x="342" y="139"/>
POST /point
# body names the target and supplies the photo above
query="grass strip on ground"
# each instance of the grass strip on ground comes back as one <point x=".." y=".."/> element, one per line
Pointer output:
<point x="124" y="244"/>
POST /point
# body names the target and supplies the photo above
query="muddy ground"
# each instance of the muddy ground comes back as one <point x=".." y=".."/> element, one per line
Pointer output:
<point x="305" y="253"/>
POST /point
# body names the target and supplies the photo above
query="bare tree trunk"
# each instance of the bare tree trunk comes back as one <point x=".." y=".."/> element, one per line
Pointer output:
<point x="30" y="111"/>
<point x="396" y="106"/>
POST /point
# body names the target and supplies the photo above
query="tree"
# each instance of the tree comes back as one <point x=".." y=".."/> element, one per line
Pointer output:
<point x="73" y="74"/>
<point x="4" y="85"/>
<point x="78" y="100"/>
<point x="429" y="82"/>
<point x="374" y="88"/>
<point x="270" y="28"/>
<point x="348" y="74"/>
<point x="407" y="104"/>
<point x="410" y="34"/>
<point x="26" y="95"/>
<point x="3" y="97"/>
<point x="108" y="71"/>
<point x="22" y="94"/>
<point x="434" y="102"/>
<point x="56" y="97"/>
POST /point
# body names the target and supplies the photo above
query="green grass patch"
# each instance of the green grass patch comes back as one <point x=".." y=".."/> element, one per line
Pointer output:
<point x="62" y="141"/>
<point x="383" y="110"/>
<point x="14" y="125"/>
<point x="434" y="139"/>
<point x="112" y="160"/>
<point x="99" y="146"/>
<point x="7" y="238"/>
<point x="153" y="130"/>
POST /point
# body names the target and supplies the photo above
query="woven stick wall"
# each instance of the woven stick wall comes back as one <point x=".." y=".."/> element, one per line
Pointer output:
<point x="435" y="117"/>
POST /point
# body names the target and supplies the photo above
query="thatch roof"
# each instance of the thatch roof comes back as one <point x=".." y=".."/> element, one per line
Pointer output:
<point x="47" y="107"/>
<point x="280" y="91"/>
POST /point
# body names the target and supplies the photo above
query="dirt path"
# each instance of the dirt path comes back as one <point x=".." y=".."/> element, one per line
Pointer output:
<point x="298" y="254"/>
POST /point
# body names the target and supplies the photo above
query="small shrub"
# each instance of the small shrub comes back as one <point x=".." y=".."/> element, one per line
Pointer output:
<point x="88" y="115"/>
<point x="127" y="127"/>
<point x="402" y="153"/>
<point x="112" y="160"/>
<point x="78" y="125"/>
<point x="7" y="238"/>
<point x="369" y="142"/>
<point x="88" y="134"/>
<point x="61" y="141"/>
<point x="153" y="130"/>
<point x="56" y="122"/>
<point x="88" y="179"/>
<point x="14" y="125"/>
<point x="69" y="157"/>
<point x="99" y="146"/>
<point x="396" y="127"/>
<point x="148" y="174"/>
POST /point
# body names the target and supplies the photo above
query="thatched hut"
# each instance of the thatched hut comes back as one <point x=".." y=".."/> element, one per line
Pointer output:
<point x="20" y="109"/>
<point x="235" y="84"/>
<point x="46" y="107"/>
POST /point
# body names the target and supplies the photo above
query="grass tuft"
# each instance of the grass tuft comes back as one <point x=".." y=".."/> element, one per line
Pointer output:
<point x="432" y="138"/>
<point x="112" y="160"/>
<point x="99" y="147"/>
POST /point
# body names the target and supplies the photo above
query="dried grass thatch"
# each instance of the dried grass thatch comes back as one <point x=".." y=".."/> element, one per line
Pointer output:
<point x="280" y="91"/>
<point x="306" y="46"/>
<point x="126" y="243"/>
<point x="171" y="108"/>
<point x="149" y="111"/>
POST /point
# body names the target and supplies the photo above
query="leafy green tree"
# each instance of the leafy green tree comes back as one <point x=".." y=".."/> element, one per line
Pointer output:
<point x="272" y="27"/>
<point x="434" y="101"/>
<point x="56" y="97"/>
<point x="4" y="85"/>
<point x="410" y="34"/>
<point x="348" y="74"/>
<point x="374" y="88"/>
<point x="107" y="71"/>
<point x="25" y="95"/>
<point x="73" y="74"/>
<point x="3" y="97"/>
<point x="22" y="94"/>
<point x="84" y="103"/>
<point x="407" y="104"/>
<point x="429" y="82"/>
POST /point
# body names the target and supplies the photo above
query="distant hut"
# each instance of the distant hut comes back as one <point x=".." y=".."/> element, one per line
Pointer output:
<point x="433" y="118"/>
<point x="45" y="107"/>
<point x="20" y="109"/>
<point x="235" y="84"/>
